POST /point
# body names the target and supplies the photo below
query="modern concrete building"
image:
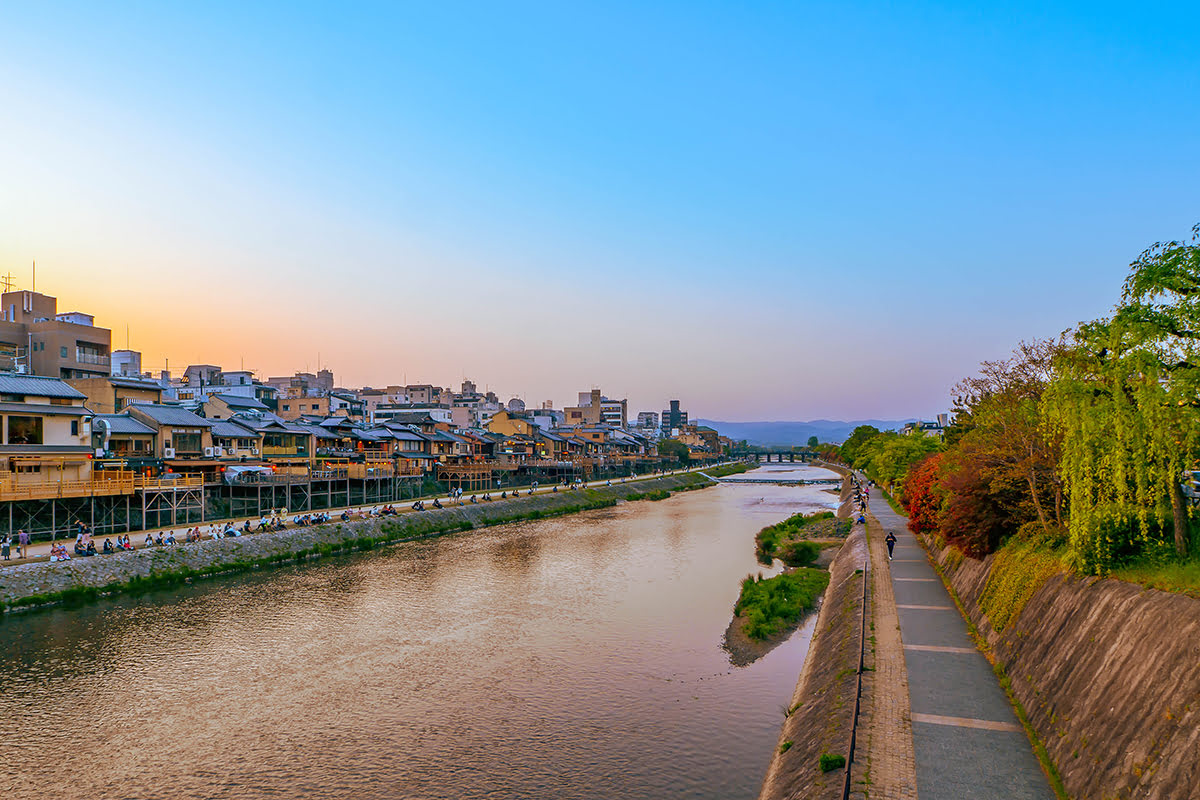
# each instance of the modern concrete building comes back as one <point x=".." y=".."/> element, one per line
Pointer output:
<point x="673" y="419"/>
<point x="36" y="339"/>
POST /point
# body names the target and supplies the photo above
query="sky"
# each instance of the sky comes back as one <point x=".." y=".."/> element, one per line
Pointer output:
<point x="770" y="211"/>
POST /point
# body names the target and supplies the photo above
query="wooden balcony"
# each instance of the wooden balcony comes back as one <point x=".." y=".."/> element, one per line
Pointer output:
<point x="300" y="452"/>
<point x="108" y="482"/>
<point x="175" y="480"/>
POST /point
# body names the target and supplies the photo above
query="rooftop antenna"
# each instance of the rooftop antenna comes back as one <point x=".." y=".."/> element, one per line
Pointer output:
<point x="35" y="276"/>
<point x="7" y="282"/>
<point x="127" y="336"/>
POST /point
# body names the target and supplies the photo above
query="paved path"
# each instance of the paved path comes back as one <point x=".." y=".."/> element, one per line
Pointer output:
<point x="966" y="736"/>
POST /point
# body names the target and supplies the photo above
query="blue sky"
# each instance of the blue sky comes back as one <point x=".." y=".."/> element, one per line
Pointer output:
<point x="770" y="211"/>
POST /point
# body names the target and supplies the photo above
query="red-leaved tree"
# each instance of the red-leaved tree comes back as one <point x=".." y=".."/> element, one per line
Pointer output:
<point x="922" y="498"/>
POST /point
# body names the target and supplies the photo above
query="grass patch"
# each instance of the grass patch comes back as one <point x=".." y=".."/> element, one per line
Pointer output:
<point x="831" y="761"/>
<point x="1182" y="577"/>
<point x="783" y="748"/>
<point x="730" y="469"/>
<point x="771" y="604"/>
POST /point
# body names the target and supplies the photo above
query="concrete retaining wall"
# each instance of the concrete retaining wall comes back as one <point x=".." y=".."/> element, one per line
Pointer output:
<point x="110" y="573"/>
<point x="1109" y="674"/>
<point x="822" y="707"/>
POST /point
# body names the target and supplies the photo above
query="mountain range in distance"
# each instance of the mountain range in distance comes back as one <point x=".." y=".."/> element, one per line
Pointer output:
<point x="788" y="434"/>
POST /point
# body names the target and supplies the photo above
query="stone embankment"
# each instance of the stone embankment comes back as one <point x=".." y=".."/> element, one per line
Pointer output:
<point x="85" y="578"/>
<point x="1108" y="674"/>
<point x="819" y="718"/>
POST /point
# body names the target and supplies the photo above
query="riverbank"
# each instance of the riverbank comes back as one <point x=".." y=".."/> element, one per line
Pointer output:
<point x="820" y="714"/>
<point x="81" y="580"/>
<point x="1106" y="672"/>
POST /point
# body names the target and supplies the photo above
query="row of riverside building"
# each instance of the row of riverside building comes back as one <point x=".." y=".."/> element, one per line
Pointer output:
<point x="88" y="437"/>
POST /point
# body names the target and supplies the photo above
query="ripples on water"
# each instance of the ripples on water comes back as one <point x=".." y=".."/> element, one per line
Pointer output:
<point x="569" y="658"/>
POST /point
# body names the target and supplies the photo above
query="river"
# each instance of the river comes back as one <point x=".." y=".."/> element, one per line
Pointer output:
<point x="578" y="657"/>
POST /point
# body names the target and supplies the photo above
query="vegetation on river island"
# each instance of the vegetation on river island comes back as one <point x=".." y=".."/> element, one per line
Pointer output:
<point x="769" y="605"/>
<point x="790" y="540"/>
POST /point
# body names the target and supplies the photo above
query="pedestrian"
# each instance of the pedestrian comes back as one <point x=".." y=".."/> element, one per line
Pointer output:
<point x="6" y="546"/>
<point x="891" y="543"/>
<point x="23" y="542"/>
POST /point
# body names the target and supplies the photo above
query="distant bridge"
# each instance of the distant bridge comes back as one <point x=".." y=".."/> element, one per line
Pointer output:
<point x="784" y="481"/>
<point x="778" y="456"/>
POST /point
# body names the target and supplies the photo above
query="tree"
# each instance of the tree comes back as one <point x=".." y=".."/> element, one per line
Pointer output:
<point x="858" y="437"/>
<point x="674" y="450"/>
<point x="813" y="442"/>
<point x="1001" y="429"/>
<point x="1125" y="403"/>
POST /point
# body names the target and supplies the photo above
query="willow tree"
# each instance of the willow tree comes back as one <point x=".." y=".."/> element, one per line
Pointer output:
<point x="1126" y="403"/>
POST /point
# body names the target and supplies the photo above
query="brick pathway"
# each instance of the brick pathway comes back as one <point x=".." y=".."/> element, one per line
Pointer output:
<point x="891" y="763"/>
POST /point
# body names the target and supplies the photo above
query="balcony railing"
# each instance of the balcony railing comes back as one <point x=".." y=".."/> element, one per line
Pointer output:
<point x="109" y="482"/>
<point x="174" y="480"/>
<point x="285" y="451"/>
<point x="88" y="357"/>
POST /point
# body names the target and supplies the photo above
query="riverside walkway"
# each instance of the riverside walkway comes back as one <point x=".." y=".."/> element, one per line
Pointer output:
<point x="966" y="741"/>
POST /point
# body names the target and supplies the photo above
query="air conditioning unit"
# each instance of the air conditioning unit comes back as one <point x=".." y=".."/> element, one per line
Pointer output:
<point x="208" y="452"/>
<point x="231" y="451"/>
<point x="218" y="452"/>
<point x="254" y="451"/>
<point x="168" y="452"/>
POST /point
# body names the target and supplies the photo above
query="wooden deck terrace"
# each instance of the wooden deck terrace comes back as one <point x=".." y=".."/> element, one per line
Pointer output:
<point x="107" y="483"/>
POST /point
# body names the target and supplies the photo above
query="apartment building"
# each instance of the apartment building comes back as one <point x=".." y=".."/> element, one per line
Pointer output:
<point x="37" y="339"/>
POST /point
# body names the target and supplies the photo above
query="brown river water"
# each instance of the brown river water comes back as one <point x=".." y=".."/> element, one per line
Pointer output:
<point x="577" y="657"/>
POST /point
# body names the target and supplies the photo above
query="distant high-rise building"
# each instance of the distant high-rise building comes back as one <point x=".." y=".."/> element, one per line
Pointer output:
<point x="673" y="418"/>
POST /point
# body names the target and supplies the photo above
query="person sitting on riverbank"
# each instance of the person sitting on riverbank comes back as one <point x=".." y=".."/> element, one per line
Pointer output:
<point x="108" y="547"/>
<point x="58" y="552"/>
<point x="436" y="503"/>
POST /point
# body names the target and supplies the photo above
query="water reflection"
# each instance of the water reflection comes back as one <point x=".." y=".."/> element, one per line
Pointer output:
<point x="576" y="657"/>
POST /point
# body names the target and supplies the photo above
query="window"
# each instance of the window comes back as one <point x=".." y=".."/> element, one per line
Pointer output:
<point x="60" y="401"/>
<point x="24" y="430"/>
<point x="12" y="398"/>
<point x="62" y="352"/>
<point x="74" y="427"/>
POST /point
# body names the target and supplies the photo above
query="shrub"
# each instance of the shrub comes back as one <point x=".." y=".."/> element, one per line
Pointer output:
<point x="799" y="553"/>
<point x="831" y="761"/>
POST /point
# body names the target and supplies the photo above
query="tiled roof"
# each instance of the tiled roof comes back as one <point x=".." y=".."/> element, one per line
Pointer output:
<point x="37" y="385"/>
<point x="123" y="423"/>
<point x="240" y="401"/>
<point x="171" y="415"/>
<point x="231" y="430"/>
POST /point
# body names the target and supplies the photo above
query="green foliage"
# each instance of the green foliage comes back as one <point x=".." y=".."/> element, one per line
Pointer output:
<point x="785" y="746"/>
<point x="1124" y="404"/>
<point x="768" y="539"/>
<point x="830" y="761"/>
<point x="771" y="604"/>
<point x="858" y="437"/>
<point x="673" y="450"/>
<point x="1018" y="571"/>
<point x="798" y="553"/>
<point x="813" y="441"/>
<point x="730" y="469"/>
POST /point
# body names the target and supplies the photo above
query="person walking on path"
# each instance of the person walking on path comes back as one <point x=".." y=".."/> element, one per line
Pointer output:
<point x="23" y="541"/>
<point x="891" y="543"/>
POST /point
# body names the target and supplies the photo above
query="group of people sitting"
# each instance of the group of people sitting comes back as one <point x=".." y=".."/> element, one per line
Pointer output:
<point x="157" y="539"/>
<point x="304" y="520"/>
<point x="123" y="543"/>
<point x="58" y="552"/>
